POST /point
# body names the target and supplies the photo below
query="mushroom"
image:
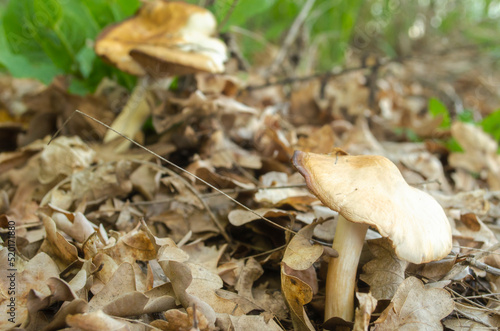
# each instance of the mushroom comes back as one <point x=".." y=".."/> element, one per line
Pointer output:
<point x="163" y="39"/>
<point x="369" y="190"/>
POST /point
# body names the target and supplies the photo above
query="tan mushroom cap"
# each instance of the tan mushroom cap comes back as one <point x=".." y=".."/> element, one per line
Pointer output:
<point x="370" y="189"/>
<point x="164" y="38"/>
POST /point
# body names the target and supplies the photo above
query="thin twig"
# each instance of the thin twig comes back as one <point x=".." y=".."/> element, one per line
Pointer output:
<point x="291" y="36"/>
<point x="471" y="302"/>
<point x="483" y="252"/>
<point x="290" y="80"/>
<point x="482" y="296"/>
<point x="482" y="266"/>
<point x="487" y="251"/>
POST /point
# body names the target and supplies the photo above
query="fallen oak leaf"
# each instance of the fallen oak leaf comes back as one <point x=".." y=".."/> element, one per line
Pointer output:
<point x="119" y="296"/>
<point x="385" y="272"/>
<point x="34" y="276"/>
<point x="300" y="254"/>
<point x="415" y="307"/>
<point x="263" y="298"/>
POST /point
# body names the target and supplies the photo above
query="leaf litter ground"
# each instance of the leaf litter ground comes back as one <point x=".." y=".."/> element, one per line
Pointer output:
<point x="123" y="241"/>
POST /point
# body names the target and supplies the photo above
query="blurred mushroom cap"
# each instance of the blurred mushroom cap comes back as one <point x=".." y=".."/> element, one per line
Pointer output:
<point x="164" y="39"/>
<point x="370" y="189"/>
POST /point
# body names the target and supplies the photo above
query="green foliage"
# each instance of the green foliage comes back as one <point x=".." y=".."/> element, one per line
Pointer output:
<point x="45" y="38"/>
<point x="437" y="108"/>
<point x="491" y="124"/>
<point x="330" y="25"/>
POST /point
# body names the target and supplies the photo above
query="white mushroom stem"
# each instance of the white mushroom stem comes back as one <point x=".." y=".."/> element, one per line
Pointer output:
<point x="132" y="117"/>
<point x="341" y="277"/>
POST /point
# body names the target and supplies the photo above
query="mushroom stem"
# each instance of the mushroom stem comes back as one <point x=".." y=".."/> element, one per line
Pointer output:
<point x="341" y="277"/>
<point x="132" y="116"/>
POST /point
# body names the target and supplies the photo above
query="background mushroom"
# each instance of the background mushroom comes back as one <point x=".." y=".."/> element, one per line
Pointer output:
<point x="369" y="190"/>
<point x="163" y="39"/>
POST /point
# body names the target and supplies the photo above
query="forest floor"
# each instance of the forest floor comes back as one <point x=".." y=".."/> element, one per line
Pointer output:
<point x="112" y="237"/>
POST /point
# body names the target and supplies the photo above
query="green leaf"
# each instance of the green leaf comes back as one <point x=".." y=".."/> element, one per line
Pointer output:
<point x="45" y="38"/>
<point x="242" y="12"/>
<point x="453" y="145"/>
<point x="491" y="124"/>
<point x="436" y="108"/>
<point x="467" y="116"/>
<point x="21" y="66"/>
<point x="85" y="59"/>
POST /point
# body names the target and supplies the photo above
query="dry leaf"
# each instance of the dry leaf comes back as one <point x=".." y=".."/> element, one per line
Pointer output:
<point x="300" y="253"/>
<point x="385" y="272"/>
<point x="63" y="157"/>
<point x="297" y="294"/>
<point x="96" y="321"/>
<point x="177" y="320"/>
<point x="362" y="315"/>
<point x="34" y="276"/>
<point x="415" y="307"/>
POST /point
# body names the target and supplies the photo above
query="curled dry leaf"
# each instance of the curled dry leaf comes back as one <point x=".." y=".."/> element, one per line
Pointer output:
<point x="385" y="272"/>
<point x="146" y="180"/>
<point x="38" y="305"/>
<point x="56" y="245"/>
<point x="33" y="278"/>
<point x="63" y="157"/>
<point x="415" y="307"/>
<point x="297" y="294"/>
<point x="76" y="225"/>
<point x="135" y="245"/>
<point x="367" y="304"/>
<point x="299" y="256"/>
<point x="248" y="275"/>
<point x="300" y="253"/>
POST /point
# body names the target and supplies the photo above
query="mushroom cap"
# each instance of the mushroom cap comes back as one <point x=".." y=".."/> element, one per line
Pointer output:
<point x="164" y="38"/>
<point x="370" y="189"/>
